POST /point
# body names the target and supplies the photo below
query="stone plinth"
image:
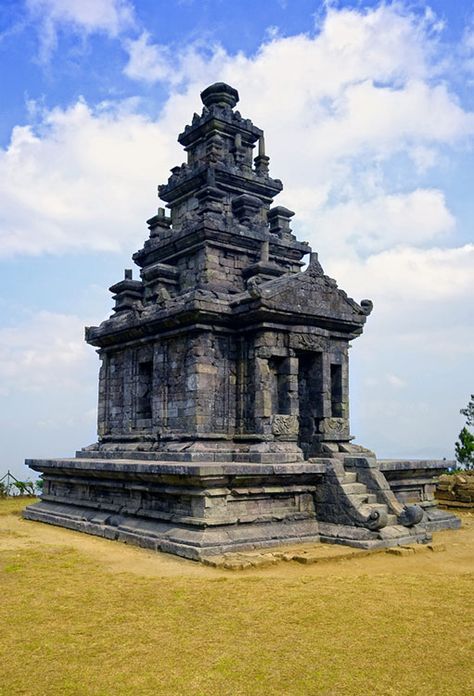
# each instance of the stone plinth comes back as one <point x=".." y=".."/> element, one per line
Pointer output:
<point x="193" y="510"/>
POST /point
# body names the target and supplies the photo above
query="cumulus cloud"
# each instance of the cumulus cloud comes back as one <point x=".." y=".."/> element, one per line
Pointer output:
<point x="149" y="62"/>
<point x="408" y="275"/>
<point x="46" y="352"/>
<point x="83" y="179"/>
<point x="48" y="388"/>
<point x="408" y="376"/>
<point x="348" y="45"/>
<point x="372" y="88"/>
<point x="84" y="16"/>
<point x="359" y="228"/>
<point x="410" y="371"/>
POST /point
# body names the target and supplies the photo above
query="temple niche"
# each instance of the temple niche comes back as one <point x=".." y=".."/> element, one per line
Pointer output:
<point x="223" y="416"/>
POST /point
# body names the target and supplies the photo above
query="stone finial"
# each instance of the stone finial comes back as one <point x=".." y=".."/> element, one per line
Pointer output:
<point x="314" y="267"/>
<point x="221" y="94"/>
<point x="279" y="219"/>
<point x="127" y="292"/>
<point x="246" y="207"/>
<point x="262" y="160"/>
<point x="159" y="223"/>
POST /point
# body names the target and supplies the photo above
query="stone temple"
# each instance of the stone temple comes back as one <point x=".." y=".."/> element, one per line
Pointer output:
<point x="223" y="417"/>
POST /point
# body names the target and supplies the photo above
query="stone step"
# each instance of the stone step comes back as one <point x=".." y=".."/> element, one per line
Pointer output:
<point x="364" y="498"/>
<point x="350" y="477"/>
<point x="354" y="488"/>
<point x="392" y="520"/>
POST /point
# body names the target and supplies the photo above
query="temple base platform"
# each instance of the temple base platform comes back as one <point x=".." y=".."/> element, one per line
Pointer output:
<point x="200" y="509"/>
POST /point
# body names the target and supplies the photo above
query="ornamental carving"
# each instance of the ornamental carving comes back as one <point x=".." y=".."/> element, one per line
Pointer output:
<point x="304" y="341"/>
<point x="336" y="426"/>
<point x="284" y="425"/>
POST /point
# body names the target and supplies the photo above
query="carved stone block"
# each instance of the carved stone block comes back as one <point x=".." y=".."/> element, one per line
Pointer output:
<point x="285" y="425"/>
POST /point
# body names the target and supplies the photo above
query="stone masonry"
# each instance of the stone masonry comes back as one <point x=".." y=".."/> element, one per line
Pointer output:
<point x="223" y="416"/>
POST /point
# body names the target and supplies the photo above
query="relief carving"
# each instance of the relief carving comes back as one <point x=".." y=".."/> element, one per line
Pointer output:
<point x="284" y="425"/>
<point x="304" y="341"/>
<point x="334" y="426"/>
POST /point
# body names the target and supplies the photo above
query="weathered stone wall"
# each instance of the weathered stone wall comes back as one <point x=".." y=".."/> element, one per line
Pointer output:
<point x="271" y="383"/>
<point x="177" y="385"/>
<point x="215" y="500"/>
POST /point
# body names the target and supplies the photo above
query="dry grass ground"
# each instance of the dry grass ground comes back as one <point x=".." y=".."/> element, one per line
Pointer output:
<point x="85" y="616"/>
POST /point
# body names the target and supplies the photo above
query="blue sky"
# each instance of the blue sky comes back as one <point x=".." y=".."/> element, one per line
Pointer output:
<point x="368" y="113"/>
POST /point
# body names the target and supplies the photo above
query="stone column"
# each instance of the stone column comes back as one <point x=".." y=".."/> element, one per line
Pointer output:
<point x="335" y="424"/>
<point x="102" y="424"/>
<point x="263" y="398"/>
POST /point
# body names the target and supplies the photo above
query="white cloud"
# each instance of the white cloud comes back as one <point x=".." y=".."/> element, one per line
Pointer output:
<point x="410" y="370"/>
<point x="48" y="388"/>
<point x="148" y="62"/>
<point x="110" y="16"/>
<point x="409" y="278"/>
<point x="84" y="179"/>
<point x="371" y="85"/>
<point x="424" y="158"/>
<point x="45" y="353"/>
<point x="363" y="227"/>
<point x="84" y="16"/>
<point x="349" y="46"/>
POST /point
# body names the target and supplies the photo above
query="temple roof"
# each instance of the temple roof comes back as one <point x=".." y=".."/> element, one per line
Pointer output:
<point x="224" y="253"/>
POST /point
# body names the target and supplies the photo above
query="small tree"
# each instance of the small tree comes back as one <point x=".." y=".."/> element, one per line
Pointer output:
<point x="469" y="412"/>
<point x="464" y="447"/>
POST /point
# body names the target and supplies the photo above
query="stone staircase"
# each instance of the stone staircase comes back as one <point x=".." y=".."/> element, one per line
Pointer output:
<point x="364" y="500"/>
<point x="357" y="507"/>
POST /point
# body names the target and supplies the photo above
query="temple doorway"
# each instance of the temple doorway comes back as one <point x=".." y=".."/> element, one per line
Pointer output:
<point x="310" y="397"/>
